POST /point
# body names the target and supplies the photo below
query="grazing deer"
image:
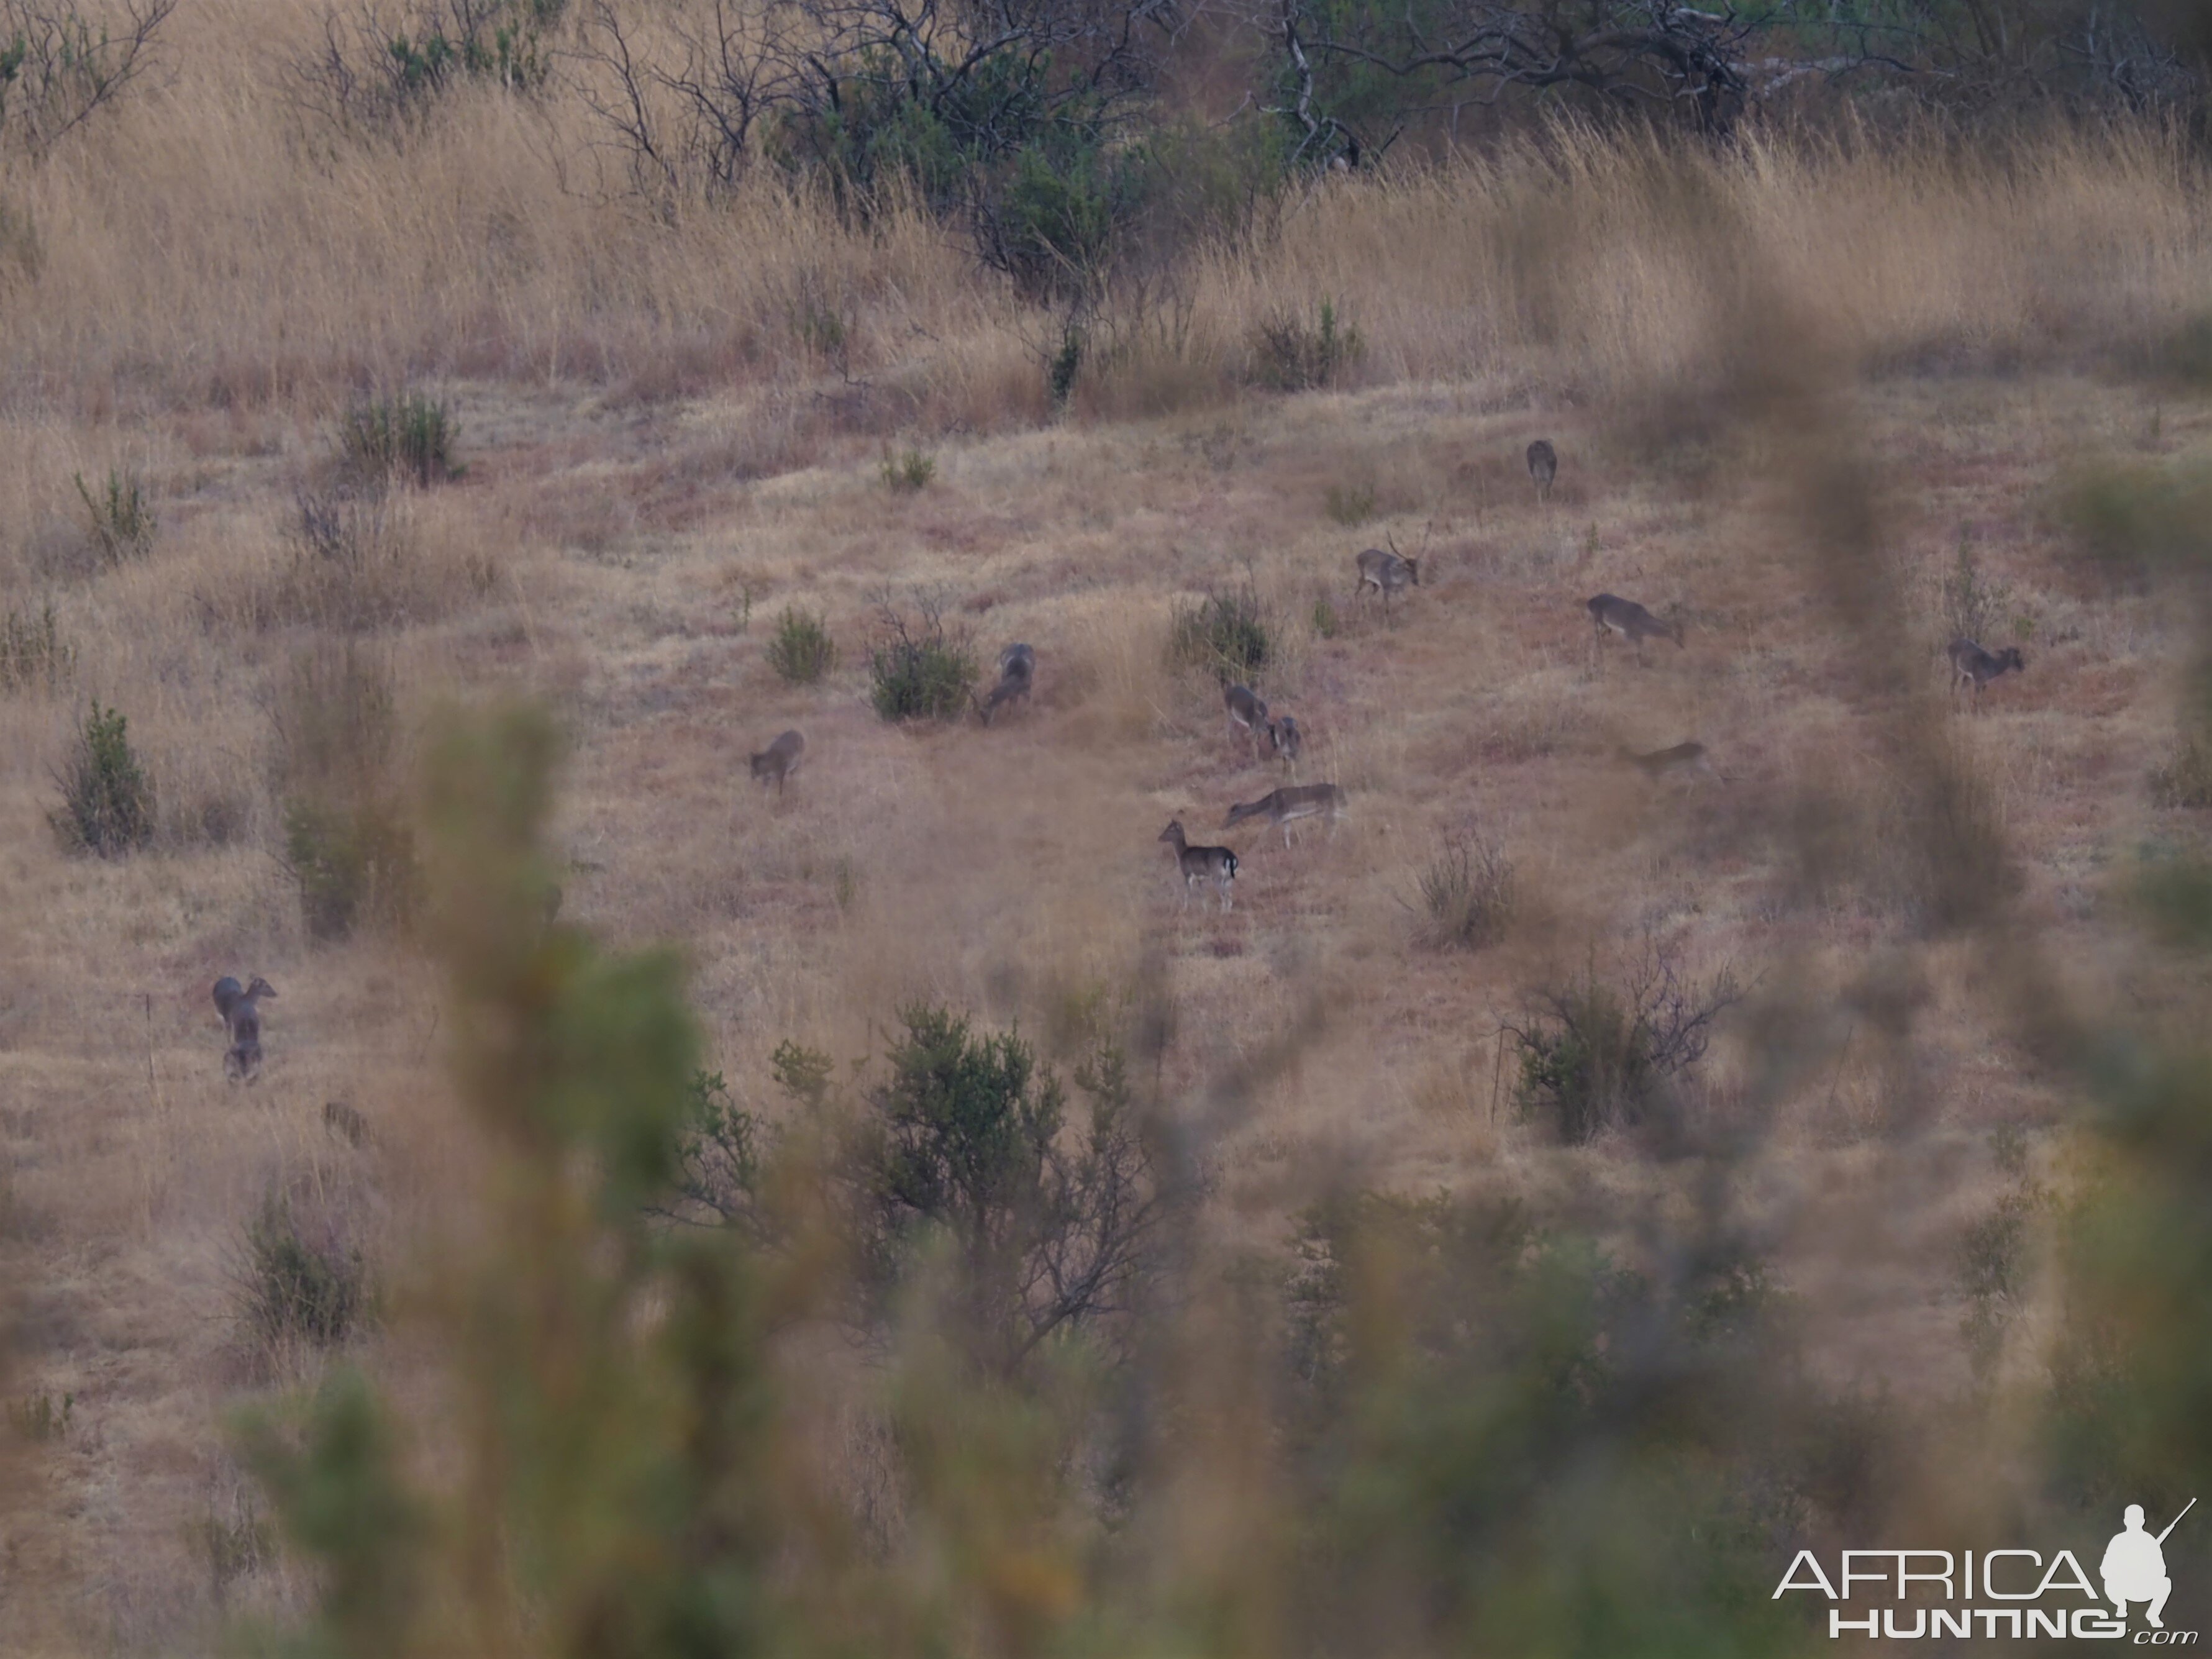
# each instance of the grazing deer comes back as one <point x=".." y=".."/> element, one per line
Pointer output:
<point x="1684" y="759"/>
<point x="1017" y="675"/>
<point x="1971" y="666"/>
<point x="1543" y="467"/>
<point x="776" y="763"/>
<point x="1215" y="864"/>
<point x="1284" y="740"/>
<point x="241" y="1017"/>
<point x="1247" y="713"/>
<point x="1387" y="572"/>
<point x="1611" y="613"/>
<point x="1286" y="806"/>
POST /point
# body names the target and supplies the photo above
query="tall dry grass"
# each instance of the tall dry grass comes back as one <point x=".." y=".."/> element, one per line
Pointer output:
<point x="212" y="242"/>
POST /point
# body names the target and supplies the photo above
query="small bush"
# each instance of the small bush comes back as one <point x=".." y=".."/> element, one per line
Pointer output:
<point x="353" y="864"/>
<point x="2131" y="521"/>
<point x="1066" y="362"/>
<point x="920" y="670"/>
<point x="963" y="1140"/>
<point x="107" y="799"/>
<point x="1594" y="1055"/>
<point x="1468" y="891"/>
<point x="910" y="469"/>
<point x="1351" y="504"/>
<point x="389" y="67"/>
<point x="34" y="656"/>
<point x="2185" y="780"/>
<point x="1325" y="619"/>
<point x="357" y="567"/>
<point x="348" y="849"/>
<point x="719" y="1161"/>
<point x="301" y="1283"/>
<point x="1226" y="634"/>
<point x="410" y="436"/>
<point x="123" y="522"/>
<point x="1289" y="356"/>
<point x="1993" y="1272"/>
<point x="802" y="651"/>
<point x="232" y="1547"/>
<point x="39" y="1418"/>
<point x="337" y="527"/>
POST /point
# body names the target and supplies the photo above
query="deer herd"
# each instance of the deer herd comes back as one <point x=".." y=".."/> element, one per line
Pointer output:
<point x="1385" y="572"/>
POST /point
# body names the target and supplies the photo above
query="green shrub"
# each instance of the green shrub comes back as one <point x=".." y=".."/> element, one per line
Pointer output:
<point x="1287" y="356"/>
<point x="2132" y="520"/>
<point x="1325" y="619"/>
<point x="33" y="654"/>
<point x="2185" y="779"/>
<point x="1466" y="890"/>
<point x="1226" y="634"/>
<point x="353" y="863"/>
<point x="961" y="1146"/>
<point x="379" y="67"/>
<point x="410" y="436"/>
<point x="1066" y="363"/>
<point x="920" y="670"/>
<point x="1594" y="1055"/>
<point x="123" y="522"/>
<point x="1992" y="1267"/>
<point x="802" y="651"/>
<point x="107" y="799"/>
<point x="40" y="1418"/>
<point x="910" y="469"/>
<point x="348" y="844"/>
<point x="719" y="1159"/>
<point x="232" y="1547"/>
<point x="300" y="1282"/>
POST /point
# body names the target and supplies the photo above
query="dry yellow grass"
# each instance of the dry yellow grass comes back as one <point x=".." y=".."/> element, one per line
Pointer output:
<point x="206" y="293"/>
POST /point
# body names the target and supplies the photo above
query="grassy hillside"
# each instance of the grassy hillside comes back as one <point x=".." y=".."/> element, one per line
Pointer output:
<point x="1827" y="406"/>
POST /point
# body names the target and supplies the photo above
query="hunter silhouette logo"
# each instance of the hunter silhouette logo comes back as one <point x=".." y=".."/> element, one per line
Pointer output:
<point x="2017" y="1594"/>
<point x="2134" y="1568"/>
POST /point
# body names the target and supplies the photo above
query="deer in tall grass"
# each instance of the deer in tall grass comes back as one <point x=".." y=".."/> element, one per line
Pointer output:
<point x="239" y="1006"/>
<point x="1017" y="676"/>
<point x="775" y="763"/>
<point x="1972" y="666"/>
<point x="1543" y="467"/>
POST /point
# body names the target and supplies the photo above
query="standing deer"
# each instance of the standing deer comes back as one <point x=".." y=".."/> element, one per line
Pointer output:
<point x="1543" y="467"/>
<point x="1017" y="676"/>
<point x="1215" y="864"/>
<point x="1247" y="712"/>
<point x="776" y="763"/>
<point x="1971" y="666"/>
<point x="1387" y="572"/>
<point x="241" y="1017"/>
